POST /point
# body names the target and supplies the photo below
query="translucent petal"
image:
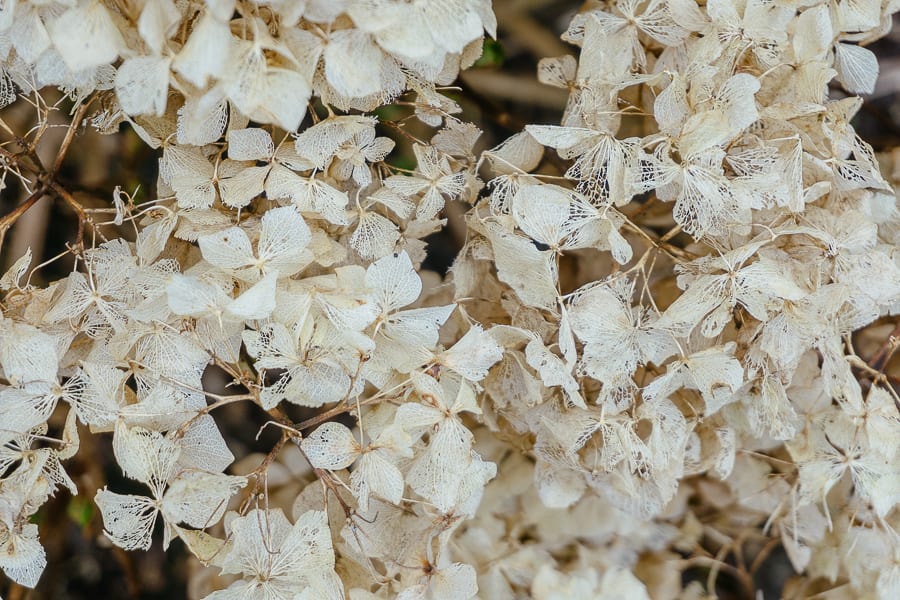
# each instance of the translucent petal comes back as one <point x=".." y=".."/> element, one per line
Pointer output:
<point x="717" y="375"/>
<point x="199" y="499"/>
<point x="405" y="185"/>
<point x="145" y="455"/>
<point x="256" y="536"/>
<point x="202" y="120"/>
<point x="250" y="144"/>
<point x="266" y="545"/>
<point x="529" y="271"/>
<point x="22" y="557"/>
<point x="331" y="446"/>
<point x="228" y="249"/>
<point x="258" y="302"/>
<point x="353" y="63"/>
<point x="452" y="23"/>
<point x="374" y="236"/>
<point x="418" y="326"/>
<point x="203" y="447"/>
<point x="394" y="282"/>
<point x="558" y="72"/>
<point x="813" y="34"/>
<point x="15" y="272"/>
<point x="29" y="36"/>
<point x="128" y="520"/>
<point x="26" y="353"/>
<point x="438" y="472"/>
<point x="206" y="52"/>
<point x="307" y="547"/>
<point x="553" y="371"/>
<point x="318" y="196"/>
<point x="142" y="85"/>
<point x="22" y="411"/>
<point x="375" y="474"/>
<point x="283" y="240"/>
<point x="320" y="143"/>
<point x="242" y="187"/>
<point x="857" y="68"/>
<point x="519" y="153"/>
<point x="455" y="582"/>
<point x="287" y="93"/>
<point x="157" y="22"/>
<point x="193" y="192"/>
<point x="569" y="141"/>
<point x="76" y="298"/>
<point x="97" y="393"/>
<point x="542" y="212"/>
<point x="473" y="354"/>
<point x="86" y="36"/>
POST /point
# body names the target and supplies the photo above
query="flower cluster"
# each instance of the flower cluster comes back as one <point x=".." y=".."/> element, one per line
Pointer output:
<point x="718" y="371"/>
<point x="635" y="358"/>
<point x="268" y="250"/>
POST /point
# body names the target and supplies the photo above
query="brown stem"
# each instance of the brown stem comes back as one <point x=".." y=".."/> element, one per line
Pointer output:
<point x="763" y="554"/>
<point x="74" y="205"/>
<point x="885" y="350"/>
<point x="8" y="219"/>
<point x="70" y="135"/>
<point x="259" y="472"/>
<point x="27" y="149"/>
<point x="13" y="159"/>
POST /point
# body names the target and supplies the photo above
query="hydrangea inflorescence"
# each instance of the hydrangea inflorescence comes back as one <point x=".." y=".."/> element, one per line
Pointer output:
<point x="519" y="430"/>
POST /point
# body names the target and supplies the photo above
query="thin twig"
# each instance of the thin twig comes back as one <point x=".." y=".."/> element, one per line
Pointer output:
<point x="74" y="205"/>
<point x="8" y="220"/>
<point x="886" y="350"/>
<point x="70" y="135"/>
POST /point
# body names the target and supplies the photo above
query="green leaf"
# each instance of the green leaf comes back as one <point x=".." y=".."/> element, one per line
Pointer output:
<point x="80" y="510"/>
<point x="492" y="54"/>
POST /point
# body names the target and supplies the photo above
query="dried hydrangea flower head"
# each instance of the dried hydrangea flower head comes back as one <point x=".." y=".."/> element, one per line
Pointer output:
<point x="523" y="429"/>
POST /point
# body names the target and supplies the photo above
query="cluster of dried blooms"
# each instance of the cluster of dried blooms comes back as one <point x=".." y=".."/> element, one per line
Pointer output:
<point x="638" y="359"/>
